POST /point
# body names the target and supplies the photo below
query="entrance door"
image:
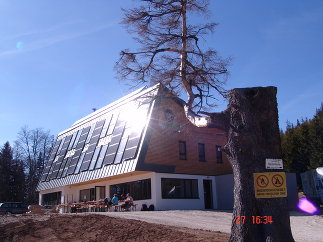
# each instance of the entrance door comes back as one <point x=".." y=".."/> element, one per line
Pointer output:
<point x="208" y="201"/>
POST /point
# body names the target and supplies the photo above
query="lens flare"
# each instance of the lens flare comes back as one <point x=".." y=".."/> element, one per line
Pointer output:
<point x="319" y="170"/>
<point x="306" y="206"/>
<point x="20" y="45"/>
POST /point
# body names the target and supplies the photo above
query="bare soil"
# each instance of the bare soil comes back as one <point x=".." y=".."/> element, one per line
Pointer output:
<point x="95" y="227"/>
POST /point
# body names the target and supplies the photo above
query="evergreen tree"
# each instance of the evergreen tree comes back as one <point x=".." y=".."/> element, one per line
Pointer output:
<point x="5" y="167"/>
<point x="17" y="181"/>
<point x="316" y="139"/>
<point x="302" y="145"/>
<point x="12" y="177"/>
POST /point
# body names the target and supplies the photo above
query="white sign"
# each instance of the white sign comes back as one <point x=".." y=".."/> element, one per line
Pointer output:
<point x="274" y="164"/>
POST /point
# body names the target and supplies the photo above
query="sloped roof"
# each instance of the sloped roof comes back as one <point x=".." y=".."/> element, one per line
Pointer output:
<point x="105" y="143"/>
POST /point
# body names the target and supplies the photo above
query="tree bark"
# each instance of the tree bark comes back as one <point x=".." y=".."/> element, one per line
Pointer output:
<point x="253" y="136"/>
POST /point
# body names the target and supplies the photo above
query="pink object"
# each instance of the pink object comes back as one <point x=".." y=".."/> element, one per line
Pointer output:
<point x="306" y="206"/>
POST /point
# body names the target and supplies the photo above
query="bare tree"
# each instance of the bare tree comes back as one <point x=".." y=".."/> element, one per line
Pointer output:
<point x="33" y="147"/>
<point x="171" y="51"/>
<point x="171" y="54"/>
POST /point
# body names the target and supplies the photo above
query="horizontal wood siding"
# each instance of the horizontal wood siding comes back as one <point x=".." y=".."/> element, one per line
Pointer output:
<point x="163" y="148"/>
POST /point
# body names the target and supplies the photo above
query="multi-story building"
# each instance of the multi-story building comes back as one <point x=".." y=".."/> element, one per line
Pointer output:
<point x="142" y="144"/>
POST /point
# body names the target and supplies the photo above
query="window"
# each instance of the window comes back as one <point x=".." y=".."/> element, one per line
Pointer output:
<point x="105" y="127"/>
<point x="53" y="198"/>
<point x="182" y="150"/>
<point x="179" y="188"/>
<point x="90" y="134"/>
<point x="78" y="166"/>
<point x="77" y="138"/>
<point x="139" y="190"/>
<point x="219" y="154"/>
<point x="92" y="194"/>
<point x="72" y="141"/>
<point x="201" y="149"/>
<point x="87" y="195"/>
<point x="95" y="157"/>
<point x="101" y="156"/>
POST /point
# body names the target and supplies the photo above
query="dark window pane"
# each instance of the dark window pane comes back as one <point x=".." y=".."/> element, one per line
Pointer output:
<point x="219" y="154"/>
<point x="72" y="141"/>
<point x="78" y="166"/>
<point x="182" y="150"/>
<point x="121" y="149"/>
<point x="77" y="138"/>
<point x="95" y="157"/>
<point x="129" y="153"/>
<point x="179" y="188"/>
<point x="78" y="150"/>
<point x="201" y="149"/>
<point x="51" y="159"/>
<point x="105" y="127"/>
<point x="101" y="156"/>
<point x="53" y="198"/>
<point x="139" y="190"/>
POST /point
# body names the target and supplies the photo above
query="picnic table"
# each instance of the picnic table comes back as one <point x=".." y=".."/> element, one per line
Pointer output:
<point x="93" y="206"/>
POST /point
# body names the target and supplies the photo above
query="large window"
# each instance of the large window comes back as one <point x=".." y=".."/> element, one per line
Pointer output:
<point x="182" y="150"/>
<point x="201" y="150"/>
<point x="139" y="190"/>
<point x="219" y="154"/>
<point x="52" y="198"/>
<point x="92" y="194"/>
<point x="87" y="195"/>
<point x="179" y="188"/>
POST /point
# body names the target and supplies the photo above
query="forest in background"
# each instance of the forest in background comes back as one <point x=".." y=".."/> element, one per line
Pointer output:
<point x="21" y="165"/>
<point x="302" y="145"/>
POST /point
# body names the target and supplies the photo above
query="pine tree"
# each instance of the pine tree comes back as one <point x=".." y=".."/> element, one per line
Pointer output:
<point x="17" y="181"/>
<point x="5" y="167"/>
<point x="302" y="145"/>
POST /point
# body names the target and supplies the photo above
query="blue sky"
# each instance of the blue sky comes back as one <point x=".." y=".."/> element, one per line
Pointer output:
<point x="57" y="57"/>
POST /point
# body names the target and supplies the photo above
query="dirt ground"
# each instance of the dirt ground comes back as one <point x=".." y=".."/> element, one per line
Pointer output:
<point x="95" y="227"/>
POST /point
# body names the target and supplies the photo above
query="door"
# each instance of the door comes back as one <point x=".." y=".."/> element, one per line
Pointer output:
<point x="208" y="201"/>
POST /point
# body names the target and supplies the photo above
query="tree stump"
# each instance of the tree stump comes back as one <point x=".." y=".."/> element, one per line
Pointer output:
<point x="253" y="136"/>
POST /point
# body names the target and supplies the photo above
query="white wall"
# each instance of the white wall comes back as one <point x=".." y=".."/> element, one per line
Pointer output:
<point x="182" y="204"/>
<point x="71" y="193"/>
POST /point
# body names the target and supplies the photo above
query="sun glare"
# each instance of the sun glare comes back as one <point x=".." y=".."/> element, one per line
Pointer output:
<point x="136" y="117"/>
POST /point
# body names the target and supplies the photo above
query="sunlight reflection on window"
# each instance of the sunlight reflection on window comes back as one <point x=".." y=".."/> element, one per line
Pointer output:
<point x="136" y="117"/>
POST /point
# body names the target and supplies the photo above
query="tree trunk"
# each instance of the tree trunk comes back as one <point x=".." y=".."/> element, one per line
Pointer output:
<point x="254" y="136"/>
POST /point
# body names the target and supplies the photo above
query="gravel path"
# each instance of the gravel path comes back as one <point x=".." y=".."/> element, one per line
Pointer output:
<point x="304" y="228"/>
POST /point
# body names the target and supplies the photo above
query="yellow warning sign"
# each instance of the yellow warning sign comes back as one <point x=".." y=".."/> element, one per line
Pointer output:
<point x="270" y="184"/>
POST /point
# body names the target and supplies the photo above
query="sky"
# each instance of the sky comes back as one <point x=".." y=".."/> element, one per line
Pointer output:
<point x="57" y="57"/>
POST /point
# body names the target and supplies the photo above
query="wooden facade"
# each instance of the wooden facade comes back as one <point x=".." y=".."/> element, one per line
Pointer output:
<point x="167" y="128"/>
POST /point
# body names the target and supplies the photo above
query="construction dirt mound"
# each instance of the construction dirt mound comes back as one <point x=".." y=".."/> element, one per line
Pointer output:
<point x="94" y="227"/>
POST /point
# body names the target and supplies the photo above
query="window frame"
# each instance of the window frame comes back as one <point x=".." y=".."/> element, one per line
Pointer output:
<point x="218" y="154"/>
<point x="144" y="186"/>
<point x="51" y="198"/>
<point x="182" y="155"/>
<point x="201" y="152"/>
<point x="187" y="194"/>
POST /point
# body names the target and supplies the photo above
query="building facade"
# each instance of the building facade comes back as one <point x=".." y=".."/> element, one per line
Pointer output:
<point x="142" y="144"/>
